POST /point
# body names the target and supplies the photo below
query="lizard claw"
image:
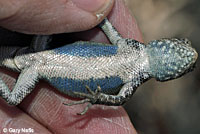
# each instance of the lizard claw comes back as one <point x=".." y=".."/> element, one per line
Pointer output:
<point x="91" y="98"/>
<point x="92" y="92"/>
<point x="85" y="109"/>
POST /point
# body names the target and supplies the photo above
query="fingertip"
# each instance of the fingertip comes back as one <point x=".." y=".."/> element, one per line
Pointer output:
<point x="50" y="17"/>
<point x="9" y="8"/>
<point x="121" y="19"/>
<point x="47" y="107"/>
<point x="93" y="5"/>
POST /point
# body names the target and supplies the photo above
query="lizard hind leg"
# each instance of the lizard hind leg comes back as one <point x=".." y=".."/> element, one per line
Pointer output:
<point x="91" y="98"/>
<point x="24" y="85"/>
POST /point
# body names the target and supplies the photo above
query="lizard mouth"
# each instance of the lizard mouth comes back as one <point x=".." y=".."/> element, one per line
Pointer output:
<point x="192" y="65"/>
<point x="193" y="62"/>
<point x="191" y="68"/>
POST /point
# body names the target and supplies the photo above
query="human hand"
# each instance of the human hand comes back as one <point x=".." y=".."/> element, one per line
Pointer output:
<point x="43" y="109"/>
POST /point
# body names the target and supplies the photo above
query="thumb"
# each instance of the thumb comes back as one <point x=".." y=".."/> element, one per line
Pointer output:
<point x="52" y="16"/>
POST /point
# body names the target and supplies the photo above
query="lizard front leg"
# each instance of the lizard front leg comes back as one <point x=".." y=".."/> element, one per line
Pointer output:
<point x="112" y="34"/>
<point x="115" y="37"/>
<point x="24" y="85"/>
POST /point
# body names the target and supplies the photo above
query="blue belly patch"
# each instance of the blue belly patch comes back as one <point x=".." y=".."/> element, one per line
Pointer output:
<point x="86" y="49"/>
<point x="64" y="85"/>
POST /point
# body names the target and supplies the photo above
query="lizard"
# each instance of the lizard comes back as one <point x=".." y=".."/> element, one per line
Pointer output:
<point x="99" y="73"/>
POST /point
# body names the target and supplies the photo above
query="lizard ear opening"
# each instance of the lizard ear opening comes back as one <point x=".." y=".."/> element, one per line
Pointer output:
<point x="170" y="58"/>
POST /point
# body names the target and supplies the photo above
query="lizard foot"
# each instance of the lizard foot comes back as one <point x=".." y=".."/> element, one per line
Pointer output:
<point x="91" y="98"/>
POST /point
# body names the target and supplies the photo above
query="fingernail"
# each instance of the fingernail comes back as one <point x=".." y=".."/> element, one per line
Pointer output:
<point x="93" y="5"/>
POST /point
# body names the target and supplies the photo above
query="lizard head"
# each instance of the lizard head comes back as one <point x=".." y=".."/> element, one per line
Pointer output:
<point x="170" y="58"/>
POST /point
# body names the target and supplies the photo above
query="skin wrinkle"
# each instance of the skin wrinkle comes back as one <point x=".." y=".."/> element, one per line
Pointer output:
<point x="9" y="17"/>
<point x="47" y="14"/>
<point x="68" y="25"/>
<point x="118" y="124"/>
<point x="51" y="116"/>
<point x="24" y="122"/>
<point x="58" y="23"/>
<point x="36" y="102"/>
<point x="64" y="5"/>
<point x="111" y="121"/>
<point x="13" y="5"/>
<point x="56" y="114"/>
<point x="31" y="107"/>
<point x="13" y="122"/>
<point x="38" y="115"/>
<point x="48" y="113"/>
<point x="7" y="122"/>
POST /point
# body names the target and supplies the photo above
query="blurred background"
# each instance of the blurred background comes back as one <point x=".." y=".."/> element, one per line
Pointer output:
<point x="171" y="107"/>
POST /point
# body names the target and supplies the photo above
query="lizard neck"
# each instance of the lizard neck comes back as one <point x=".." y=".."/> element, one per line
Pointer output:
<point x="141" y="70"/>
<point x="136" y="63"/>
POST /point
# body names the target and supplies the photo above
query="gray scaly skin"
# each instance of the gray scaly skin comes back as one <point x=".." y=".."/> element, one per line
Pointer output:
<point x="100" y="73"/>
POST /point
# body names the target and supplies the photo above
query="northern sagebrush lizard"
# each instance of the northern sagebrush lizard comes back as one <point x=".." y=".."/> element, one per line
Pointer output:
<point x="100" y="73"/>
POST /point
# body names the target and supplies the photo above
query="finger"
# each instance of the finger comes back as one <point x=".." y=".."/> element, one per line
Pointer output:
<point x="121" y="19"/>
<point x="46" y="104"/>
<point x="52" y="16"/>
<point x="12" y="118"/>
